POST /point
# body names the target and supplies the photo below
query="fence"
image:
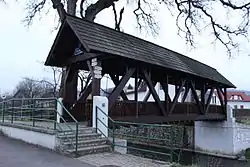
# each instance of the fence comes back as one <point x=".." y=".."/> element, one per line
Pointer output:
<point x="41" y="113"/>
<point x="145" y="138"/>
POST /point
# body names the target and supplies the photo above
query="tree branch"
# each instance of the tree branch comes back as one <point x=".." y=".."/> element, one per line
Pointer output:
<point x="117" y="23"/>
<point x="97" y="7"/>
<point x="145" y="18"/>
<point x="194" y="11"/>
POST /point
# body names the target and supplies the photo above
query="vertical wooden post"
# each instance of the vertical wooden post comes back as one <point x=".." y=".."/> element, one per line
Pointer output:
<point x="136" y="91"/>
<point x="203" y="92"/>
<point x="96" y="82"/>
<point x="166" y="94"/>
<point x="225" y="98"/>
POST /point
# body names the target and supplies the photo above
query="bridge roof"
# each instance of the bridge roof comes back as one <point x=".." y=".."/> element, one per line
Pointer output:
<point x="96" y="38"/>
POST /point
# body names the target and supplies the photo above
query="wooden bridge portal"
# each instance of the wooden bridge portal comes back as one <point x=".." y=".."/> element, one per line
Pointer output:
<point x="84" y="45"/>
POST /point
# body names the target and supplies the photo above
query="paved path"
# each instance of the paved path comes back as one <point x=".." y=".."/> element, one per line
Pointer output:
<point x="121" y="160"/>
<point x="14" y="153"/>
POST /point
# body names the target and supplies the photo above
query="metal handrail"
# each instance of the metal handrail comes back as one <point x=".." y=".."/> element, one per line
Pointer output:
<point x="9" y="108"/>
<point x="113" y="122"/>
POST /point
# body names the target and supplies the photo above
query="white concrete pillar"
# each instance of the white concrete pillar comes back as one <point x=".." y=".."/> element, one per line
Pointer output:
<point x="59" y="109"/>
<point x="100" y="111"/>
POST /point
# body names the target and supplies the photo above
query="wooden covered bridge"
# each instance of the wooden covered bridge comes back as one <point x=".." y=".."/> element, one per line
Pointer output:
<point x="102" y="50"/>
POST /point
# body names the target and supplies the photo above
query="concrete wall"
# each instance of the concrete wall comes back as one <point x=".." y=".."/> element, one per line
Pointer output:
<point x="227" y="137"/>
<point x="29" y="136"/>
<point x="241" y="137"/>
<point x="216" y="137"/>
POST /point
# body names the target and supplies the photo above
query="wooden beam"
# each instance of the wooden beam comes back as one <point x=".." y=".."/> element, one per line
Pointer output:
<point x="85" y="93"/>
<point x="165" y="89"/>
<point x="177" y="95"/>
<point x="70" y="84"/>
<point x="96" y="83"/>
<point x="209" y="99"/>
<point x="225" y="97"/>
<point x="82" y="57"/>
<point x="203" y="93"/>
<point x="90" y="68"/>
<point x="185" y="93"/>
<point x="220" y="96"/>
<point x="148" y="93"/>
<point x="152" y="89"/>
<point x="196" y="98"/>
<point x="136" y="91"/>
<point x="118" y="89"/>
<point x="116" y="82"/>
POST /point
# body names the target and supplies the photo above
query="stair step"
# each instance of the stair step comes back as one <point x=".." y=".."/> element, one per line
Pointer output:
<point x="91" y="149"/>
<point x="87" y="143"/>
<point x="83" y="130"/>
<point x="80" y="136"/>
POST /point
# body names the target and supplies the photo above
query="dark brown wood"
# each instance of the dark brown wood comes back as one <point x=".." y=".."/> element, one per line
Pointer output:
<point x="148" y="93"/>
<point x="152" y="90"/>
<point x="203" y="93"/>
<point x="209" y="99"/>
<point x="90" y="68"/>
<point x="70" y="84"/>
<point x="136" y="91"/>
<point x="219" y="93"/>
<point x="96" y="83"/>
<point x="82" y="57"/>
<point x="85" y="93"/>
<point x="196" y="98"/>
<point x="118" y="89"/>
<point x="185" y="93"/>
<point x="115" y="80"/>
<point x="87" y="81"/>
<point x="177" y="95"/>
<point x="225" y="97"/>
<point x="165" y="89"/>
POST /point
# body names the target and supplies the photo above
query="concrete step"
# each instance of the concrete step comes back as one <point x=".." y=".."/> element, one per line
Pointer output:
<point x="81" y="130"/>
<point x="91" y="149"/>
<point x="80" y="136"/>
<point x="87" y="143"/>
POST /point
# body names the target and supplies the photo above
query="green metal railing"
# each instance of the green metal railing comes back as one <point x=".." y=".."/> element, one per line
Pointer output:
<point x="140" y="138"/>
<point x="39" y="112"/>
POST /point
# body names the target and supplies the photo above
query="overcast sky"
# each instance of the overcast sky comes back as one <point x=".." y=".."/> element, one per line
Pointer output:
<point x="22" y="48"/>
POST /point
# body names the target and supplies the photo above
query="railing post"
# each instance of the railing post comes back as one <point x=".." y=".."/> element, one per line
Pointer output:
<point x="113" y="135"/>
<point x="96" y="108"/>
<point x="55" y="114"/>
<point x="12" y="110"/>
<point x="3" y="111"/>
<point x="33" y="112"/>
<point x="76" y="137"/>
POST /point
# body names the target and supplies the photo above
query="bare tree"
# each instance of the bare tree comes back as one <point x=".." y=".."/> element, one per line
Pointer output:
<point x="192" y="16"/>
<point x="32" y="88"/>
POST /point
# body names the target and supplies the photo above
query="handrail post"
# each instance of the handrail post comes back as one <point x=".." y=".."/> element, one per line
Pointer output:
<point x="55" y="114"/>
<point x="33" y="112"/>
<point x="12" y="110"/>
<point x="3" y="111"/>
<point x="76" y="137"/>
<point x="113" y="135"/>
<point x="96" y="108"/>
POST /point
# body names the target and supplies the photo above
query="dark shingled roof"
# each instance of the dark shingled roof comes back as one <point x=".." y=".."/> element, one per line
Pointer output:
<point x="96" y="37"/>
